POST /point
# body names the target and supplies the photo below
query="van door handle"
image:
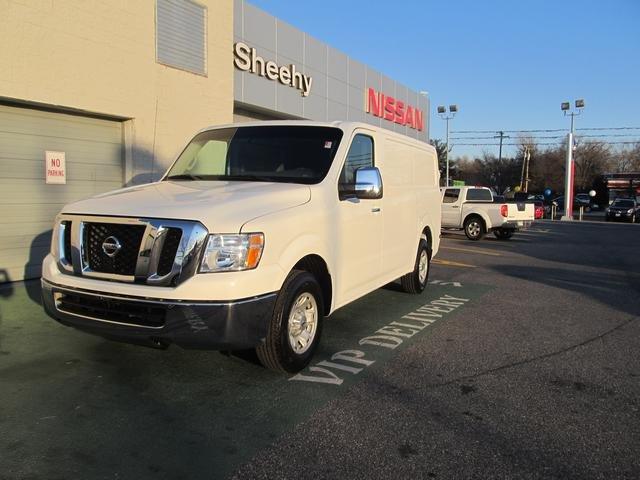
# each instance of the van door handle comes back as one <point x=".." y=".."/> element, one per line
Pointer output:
<point x="455" y="206"/>
<point x="375" y="210"/>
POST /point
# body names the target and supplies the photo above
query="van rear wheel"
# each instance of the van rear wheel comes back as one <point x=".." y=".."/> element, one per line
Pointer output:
<point x="416" y="281"/>
<point x="294" y="331"/>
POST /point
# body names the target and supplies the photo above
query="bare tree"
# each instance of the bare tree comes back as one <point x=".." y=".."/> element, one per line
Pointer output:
<point x="627" y="159"/>
<point x="592" y="159"/>
<point x="441" y="151"/>
<point x="496" y="173"/>
<point x="548" y="170"/>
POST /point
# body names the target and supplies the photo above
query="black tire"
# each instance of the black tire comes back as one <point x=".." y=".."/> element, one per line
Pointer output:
<point x="503" y="233"/>
<point x="474" y="228"/>
<point x="277" y="353"/>
<point x="411" y="282"/>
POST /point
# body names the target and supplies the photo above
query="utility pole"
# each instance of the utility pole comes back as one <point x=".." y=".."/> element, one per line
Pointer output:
<point x="525" y="169"/>
<point x="501" y="136"/>
<point x="442" y="111"/>
<point x="570" y="166"/>
<point x="526" y="173"/>
<point x="524" y="176"/>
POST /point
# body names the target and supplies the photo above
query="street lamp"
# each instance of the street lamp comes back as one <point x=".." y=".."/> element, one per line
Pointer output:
<point x="442" y="111"/>
<point x="570" y="166"/>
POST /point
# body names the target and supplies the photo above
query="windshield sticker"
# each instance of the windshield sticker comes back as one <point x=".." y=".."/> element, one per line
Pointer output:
<point x="328" y="144"/>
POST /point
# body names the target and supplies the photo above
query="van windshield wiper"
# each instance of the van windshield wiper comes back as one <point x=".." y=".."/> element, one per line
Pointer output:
<point x="184" y="176"/>
<point x="249" y="178"/>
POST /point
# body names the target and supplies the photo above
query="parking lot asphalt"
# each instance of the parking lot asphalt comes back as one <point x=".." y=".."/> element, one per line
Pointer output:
<point x="520" y="360"/>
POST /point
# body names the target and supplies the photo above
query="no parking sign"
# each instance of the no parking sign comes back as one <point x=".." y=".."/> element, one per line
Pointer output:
<point x="55" y="167"/>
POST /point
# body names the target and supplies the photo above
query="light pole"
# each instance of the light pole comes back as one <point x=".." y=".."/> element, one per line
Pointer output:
<point x="570" y="165"/>
<point x="442" y="111"/>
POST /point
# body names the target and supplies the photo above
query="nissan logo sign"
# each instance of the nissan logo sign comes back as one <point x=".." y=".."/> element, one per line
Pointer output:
<point x="111" y="246"/>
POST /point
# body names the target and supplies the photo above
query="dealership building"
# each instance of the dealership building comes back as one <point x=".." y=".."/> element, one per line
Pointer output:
<point x="98" y="95"/>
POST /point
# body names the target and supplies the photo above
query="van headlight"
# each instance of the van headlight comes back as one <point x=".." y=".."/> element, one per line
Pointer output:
<point x="232" y="253"/>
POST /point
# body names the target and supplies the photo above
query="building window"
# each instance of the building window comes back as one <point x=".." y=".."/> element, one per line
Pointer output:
<point x="181" y="27"/>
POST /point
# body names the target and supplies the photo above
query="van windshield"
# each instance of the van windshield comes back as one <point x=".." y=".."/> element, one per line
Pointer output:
<point x="293" y="154"/>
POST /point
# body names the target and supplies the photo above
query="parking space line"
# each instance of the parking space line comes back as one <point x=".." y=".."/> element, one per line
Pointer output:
<point x="449" y="263"/>
<point x="473" y="250"/>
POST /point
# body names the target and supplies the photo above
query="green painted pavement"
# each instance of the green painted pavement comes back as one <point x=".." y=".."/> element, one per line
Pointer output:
<point x="76" y="406"/>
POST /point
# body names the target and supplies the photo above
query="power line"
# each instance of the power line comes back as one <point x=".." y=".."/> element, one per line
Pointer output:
<point x="549" y="130"/>
<point x="610" y="128"/>
<point x="553" y="136"/>
<point x="510" y="131"/>
<point x="607" y="136"/>
<point x="518" y="144"/>
<point x="487" y="138"/>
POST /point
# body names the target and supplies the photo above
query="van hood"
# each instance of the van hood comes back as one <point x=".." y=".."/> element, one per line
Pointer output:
<point x="221" y="206"/>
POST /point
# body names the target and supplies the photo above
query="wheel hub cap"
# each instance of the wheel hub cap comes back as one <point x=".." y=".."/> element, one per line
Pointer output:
<point x="303" y="322"/>
<point x="423" y="266"/>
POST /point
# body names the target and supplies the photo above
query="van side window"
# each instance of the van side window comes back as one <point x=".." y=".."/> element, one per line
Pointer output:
<point x="360" y="155"/>
<point x="451" y="195"/>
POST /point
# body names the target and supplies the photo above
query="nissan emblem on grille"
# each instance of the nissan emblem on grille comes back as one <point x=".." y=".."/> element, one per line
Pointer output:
<point x="111" y="246"/>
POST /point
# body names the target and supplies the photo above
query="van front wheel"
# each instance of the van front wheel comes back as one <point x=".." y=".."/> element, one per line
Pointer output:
<point x="416" y="281"/>
<point x="294" y="331"/>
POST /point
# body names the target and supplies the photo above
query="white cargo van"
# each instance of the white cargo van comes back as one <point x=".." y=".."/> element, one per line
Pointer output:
<point x="255" y="233"/>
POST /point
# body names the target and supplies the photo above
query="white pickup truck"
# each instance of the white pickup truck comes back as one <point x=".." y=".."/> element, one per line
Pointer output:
<point x="473" y="210"/>
<point x="254" y="234"/>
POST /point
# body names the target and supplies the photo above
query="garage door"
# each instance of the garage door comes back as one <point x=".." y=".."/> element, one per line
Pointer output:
<point x="94" y="164"/>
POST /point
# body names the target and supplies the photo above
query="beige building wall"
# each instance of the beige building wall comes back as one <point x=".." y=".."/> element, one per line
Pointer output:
<point x="100" y="56"/>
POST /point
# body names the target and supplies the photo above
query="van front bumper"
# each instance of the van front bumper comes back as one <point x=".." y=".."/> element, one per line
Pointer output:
<point x="227" y="325"/>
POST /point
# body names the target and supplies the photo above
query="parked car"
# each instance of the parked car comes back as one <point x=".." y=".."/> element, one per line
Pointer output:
<point x="578" y="201"/>
<point x="539" y="209"/>
<point x="623" y="209"/>
<point x="254" y="234"/>
<point x="473" y="210"/>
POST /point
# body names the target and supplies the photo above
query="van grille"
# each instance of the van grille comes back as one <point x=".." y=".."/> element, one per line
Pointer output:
<point x="123" y="249"/>
<point x="124" y="261"/>
<point x="169" y="249"/>
<point x="66" y="254"/>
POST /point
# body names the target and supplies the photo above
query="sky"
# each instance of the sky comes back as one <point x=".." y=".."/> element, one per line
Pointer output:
<point x="508" y="65"/>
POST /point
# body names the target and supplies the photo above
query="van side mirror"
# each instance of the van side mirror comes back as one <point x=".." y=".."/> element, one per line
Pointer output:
<point x="367" y="186"/>
<point x="368" y="183"/>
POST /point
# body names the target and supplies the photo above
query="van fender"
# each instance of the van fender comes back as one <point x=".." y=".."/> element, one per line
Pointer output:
<point x="433" y="222"/>
<point x="300" y="247"/>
